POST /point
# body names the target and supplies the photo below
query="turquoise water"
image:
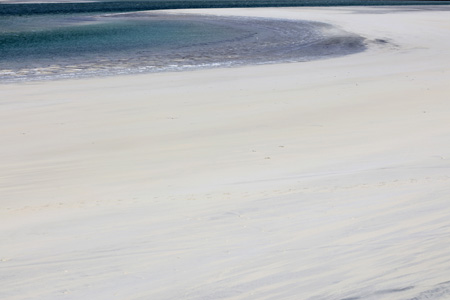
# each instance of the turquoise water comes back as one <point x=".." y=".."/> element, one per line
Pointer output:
<point x="66" y="40"/>
<point x="70" y="45"/>
<point x="90" y="35"/>
<point x="81" y="45"/>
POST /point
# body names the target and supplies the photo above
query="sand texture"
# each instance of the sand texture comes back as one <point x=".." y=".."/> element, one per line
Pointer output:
<point x="317" y="180"/>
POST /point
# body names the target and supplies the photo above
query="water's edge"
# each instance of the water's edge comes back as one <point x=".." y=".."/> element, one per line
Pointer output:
<point x="257" y="41"/>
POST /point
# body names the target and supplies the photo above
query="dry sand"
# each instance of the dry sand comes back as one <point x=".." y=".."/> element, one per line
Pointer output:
<point x="318" y="180"/>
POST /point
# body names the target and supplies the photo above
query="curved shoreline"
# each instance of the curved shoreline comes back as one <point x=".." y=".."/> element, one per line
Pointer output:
<point x="257" y="41"/>
<point x="327" y="179"/>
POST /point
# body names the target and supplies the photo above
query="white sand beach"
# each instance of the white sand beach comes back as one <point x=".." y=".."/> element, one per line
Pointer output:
<point x="327" y="179"/>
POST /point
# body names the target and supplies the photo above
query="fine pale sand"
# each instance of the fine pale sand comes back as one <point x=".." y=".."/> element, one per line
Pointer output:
<point x="318" y="180"/>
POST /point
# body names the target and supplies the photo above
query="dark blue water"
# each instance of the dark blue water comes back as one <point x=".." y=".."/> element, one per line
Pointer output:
<point x="66" y="40"/>
<point x="28" y="7"/>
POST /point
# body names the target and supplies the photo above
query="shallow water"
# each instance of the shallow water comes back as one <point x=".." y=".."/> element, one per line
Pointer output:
<point x="100" y="38"/>
<point x="80" y="45"/>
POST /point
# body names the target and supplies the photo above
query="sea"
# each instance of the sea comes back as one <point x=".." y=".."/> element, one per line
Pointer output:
<point x="58" y="40"/>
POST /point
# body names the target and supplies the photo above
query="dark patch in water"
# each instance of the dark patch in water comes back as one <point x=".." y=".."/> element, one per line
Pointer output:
<point x="381" y="41"/>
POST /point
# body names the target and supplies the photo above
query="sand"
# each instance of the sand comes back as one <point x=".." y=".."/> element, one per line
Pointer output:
<point x="317" y="180"/>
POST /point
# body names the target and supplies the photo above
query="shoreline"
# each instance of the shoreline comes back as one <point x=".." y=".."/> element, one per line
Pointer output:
<point x="249" y="41"/>
<point x="325" y="179"/>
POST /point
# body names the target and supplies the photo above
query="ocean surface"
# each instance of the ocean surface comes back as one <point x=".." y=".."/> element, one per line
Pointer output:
<point x="41" y="41"/>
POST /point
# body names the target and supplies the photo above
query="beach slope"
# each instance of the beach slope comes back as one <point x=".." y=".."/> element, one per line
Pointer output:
<point x="326" y="179"/>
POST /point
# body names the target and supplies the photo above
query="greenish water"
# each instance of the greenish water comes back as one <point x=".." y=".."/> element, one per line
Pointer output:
<point x="84" y="35"/>
<point x="65" y="40"/>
